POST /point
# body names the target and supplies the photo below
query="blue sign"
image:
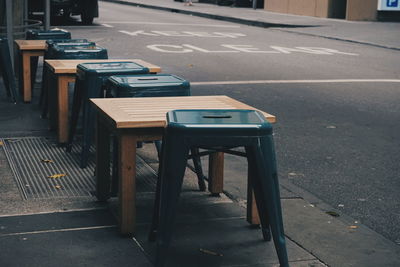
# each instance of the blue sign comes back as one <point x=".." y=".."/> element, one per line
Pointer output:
<point x="392" y="3"/>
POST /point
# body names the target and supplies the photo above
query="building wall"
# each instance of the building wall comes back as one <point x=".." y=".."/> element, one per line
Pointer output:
<point x="349" y="9"/>
<point x="361" y="9"/>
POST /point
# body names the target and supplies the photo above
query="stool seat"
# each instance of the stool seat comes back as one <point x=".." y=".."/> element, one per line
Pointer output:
<point x="51" y="42"/>
<point x="46" y="35"/>
<point x="147" y="85"/>
<point x="225" y="122"/>
<point x="60" y="51"/>
<point x="219" y="130"/>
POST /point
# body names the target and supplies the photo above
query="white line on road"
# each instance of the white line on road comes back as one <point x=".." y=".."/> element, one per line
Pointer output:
<point x="107" y="25"/>
<point x="298" y="81"/>
<point x="167" y="23"/>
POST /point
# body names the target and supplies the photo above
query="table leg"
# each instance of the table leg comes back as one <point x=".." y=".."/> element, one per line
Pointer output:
<point x="216" y="173"/>
<point x="252" y="212"/>
<point x="26" y="77"/>
<point x="62" y="107"/>
<point x="127" y="183"/>
<point x="102" y="162"/>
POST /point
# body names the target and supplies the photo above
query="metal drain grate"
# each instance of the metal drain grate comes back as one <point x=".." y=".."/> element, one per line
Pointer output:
<point x="28" y="158"/>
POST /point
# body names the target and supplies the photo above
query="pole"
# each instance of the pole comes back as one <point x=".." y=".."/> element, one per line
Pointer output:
<point x="25" y="10"/>
<point x="10" y="34"/>
<point x="254" y="4"/>
<point x="47" y="15"/>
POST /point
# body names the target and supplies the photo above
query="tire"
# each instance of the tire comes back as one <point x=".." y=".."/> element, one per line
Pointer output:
<point x="86" y="19"/>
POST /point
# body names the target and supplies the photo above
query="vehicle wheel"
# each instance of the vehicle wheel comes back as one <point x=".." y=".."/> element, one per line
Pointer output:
<point x="87" y="19"/>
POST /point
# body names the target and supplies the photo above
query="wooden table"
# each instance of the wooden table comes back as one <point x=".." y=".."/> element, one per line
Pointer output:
<point x="144" y="119"/>
<point x="63" y="72"/>
<point x="28" y="49"/>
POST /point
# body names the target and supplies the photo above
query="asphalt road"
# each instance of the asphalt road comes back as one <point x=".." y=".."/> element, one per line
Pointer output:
<point x="337" y="137"/>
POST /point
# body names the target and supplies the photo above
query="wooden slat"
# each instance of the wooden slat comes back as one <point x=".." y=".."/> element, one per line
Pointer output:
<point x="67" y="66"/>
<point x="150" y="111"/>
<point x="31" y="44"/>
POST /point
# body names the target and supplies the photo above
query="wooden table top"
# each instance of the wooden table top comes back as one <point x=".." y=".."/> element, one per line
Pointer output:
<point x="148" y="112"/>
<point x="68" y="66"/>
<point x="31" y="44"/>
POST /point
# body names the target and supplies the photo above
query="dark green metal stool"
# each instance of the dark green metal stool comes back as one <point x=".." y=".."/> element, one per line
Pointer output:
<point x="50" y="54"/>
<point x="154" y="86"/>
<point x="7" y="71"/>
<point x="71" y="52"/>
<point x="36" y="34"/>
<point x="218" y="130"/>
<point x="90" y="83"/>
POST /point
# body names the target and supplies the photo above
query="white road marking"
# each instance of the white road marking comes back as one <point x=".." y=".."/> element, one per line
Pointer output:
<point x="298" y="81"/>
<point x="61" y="230"/>
<point x="168" y="24"/>
<point x="107" y="25"/>
<point x="185" y="34"/>
<point x="187" y="48"/>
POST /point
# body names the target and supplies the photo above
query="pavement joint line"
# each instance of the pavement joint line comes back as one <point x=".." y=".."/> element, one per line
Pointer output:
<point x="50" y="212"/>
<point x="308" y="250"/>
<point x="297" y="81"/>
<point x="60" y="230"/>
<point x="148" y="256"/>
<point x="277" y="264"/>
<point x="202" y="220"/>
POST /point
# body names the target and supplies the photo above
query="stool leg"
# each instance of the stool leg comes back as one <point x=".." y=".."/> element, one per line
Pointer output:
<point x="154" y="224"/>
<point x="34" y="66"/>
<point x="158" y="145"/>
<point x="50" y="107"/>
<point x="76" y="105"/>
<point x="266" y="189"/>
<point x="172" y="173"/>
<point x="7" y="71"/>
<point x="93" y="89"/>
<point x="44" y="93"/>
<point x="198" y="169"/>
<point x="43" y="90"/>
<point x="261" y="207"/>
<point x="196" y="163"/>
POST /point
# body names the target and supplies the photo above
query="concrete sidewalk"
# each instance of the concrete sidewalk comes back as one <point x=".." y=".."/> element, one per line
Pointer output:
<point x="379" y="34"/>
<point x="210" y="231"/>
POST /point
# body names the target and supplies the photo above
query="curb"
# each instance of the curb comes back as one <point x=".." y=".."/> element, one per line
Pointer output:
<point x="212" y="16"/>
